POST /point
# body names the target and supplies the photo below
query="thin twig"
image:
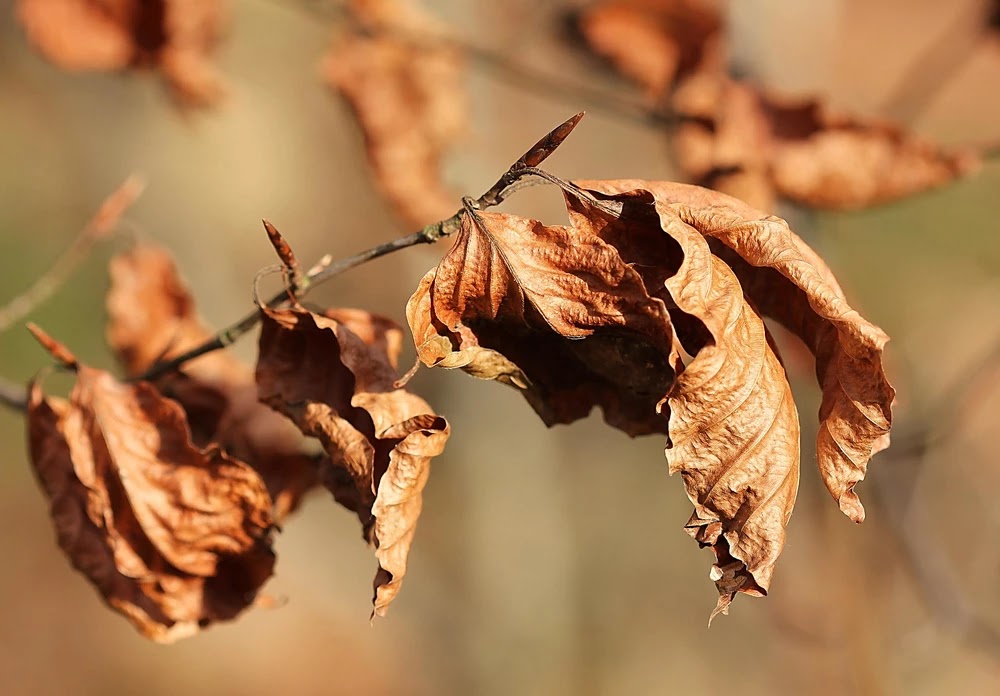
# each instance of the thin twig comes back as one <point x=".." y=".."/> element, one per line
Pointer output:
<point x="100" y="226"/>
<point x="13" y="395"/>
<point x="428" y="235"/>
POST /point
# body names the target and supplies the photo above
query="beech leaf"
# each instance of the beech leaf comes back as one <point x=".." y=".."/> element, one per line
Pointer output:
<point x="152" y="316"/>
<point x="553" y="311"/>
<point x="174" y="537"/>
<point x="786" y="280"/>
<point x="517" y="301"/>
<point x="334" y="376"/>
<point x="756" y="146"/>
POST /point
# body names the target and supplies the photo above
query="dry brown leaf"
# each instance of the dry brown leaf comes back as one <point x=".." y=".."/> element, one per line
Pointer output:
<point x="652" y="42"/>
<point x="176" y="36"/>
<point x="512" y="288"/>
<point x="553" y="311"/>
<point x="151" y="316"/>
<point x="334" y="376"/>
<point x="837" y="162"/>
<point x="174" y="537"/>
<point x="786" y="280"/>
<point x="407" y="93"/>
<point x="744" y="142"/>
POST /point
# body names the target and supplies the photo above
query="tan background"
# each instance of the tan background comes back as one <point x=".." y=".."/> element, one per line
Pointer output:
<point x="546" y="561"/>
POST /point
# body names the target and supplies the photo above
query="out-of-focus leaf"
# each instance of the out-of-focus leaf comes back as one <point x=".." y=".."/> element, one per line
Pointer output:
<point x="174" y="537"/>
<point x="553" y="311"/>
<point x="334" y="376"/>
<point x="152" y="316"/>
<point x="407" y="93"/>
<point x="738" y="139"/>
<point x="175" y="36"/>
<point x="652" y="42"/>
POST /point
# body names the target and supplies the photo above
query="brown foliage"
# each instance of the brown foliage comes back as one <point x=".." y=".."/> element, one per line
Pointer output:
<point x="174" y="36"/>
<point x="598" y="312"/>
<point x="551" y="310"/>
<point x="334" y="376"/>
<point x="174" y="537"/>
<point x="151" y="316"/>
<point x="742" y="141"/>
<point x="407" y="93"/>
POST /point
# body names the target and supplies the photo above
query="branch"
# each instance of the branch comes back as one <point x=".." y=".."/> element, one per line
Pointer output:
<point x="13" y="395"/>
<point x="526" y="165"/>
<point x="99" y="227"/>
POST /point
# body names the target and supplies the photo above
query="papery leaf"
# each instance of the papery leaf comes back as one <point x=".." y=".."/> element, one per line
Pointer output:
<point x="553" y="311"/>
<point x="152" y="316"/>
<point x="407" y="94"/>
<point x="173" y="536"/>
<point x="334" y="376"/>
<point x="747" y="143"/>
<point x="174" y="35"/>
<point x="786" y="280"/>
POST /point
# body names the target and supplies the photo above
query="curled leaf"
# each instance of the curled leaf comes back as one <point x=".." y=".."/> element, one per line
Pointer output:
<point x="174" y="537"/>
<point x="333" y="375"/>
<point x="787" y="280"/>
<point x="517" y="301"/>
<point x="152" y="316"/>
<point x="553" y="311"/>
<point x="176" y="36"/>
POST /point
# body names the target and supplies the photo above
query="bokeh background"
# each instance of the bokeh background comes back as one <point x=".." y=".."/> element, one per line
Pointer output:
<point x="546" y="561"/>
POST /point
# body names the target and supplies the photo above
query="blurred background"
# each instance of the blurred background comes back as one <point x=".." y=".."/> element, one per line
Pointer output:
<point x="546" y="561"/>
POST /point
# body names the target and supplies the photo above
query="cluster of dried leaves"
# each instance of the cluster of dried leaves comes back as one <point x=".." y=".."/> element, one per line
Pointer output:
<point x="746" y="140"/>
<point x="166" y="494"/>
<point x="602" y="312"/>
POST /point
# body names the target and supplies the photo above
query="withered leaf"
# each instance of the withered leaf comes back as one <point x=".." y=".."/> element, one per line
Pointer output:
<point x="652" y="42"/>
<point x="786" y="280"/>
<point x="334" y="376"/>
<point x="406" y="91"/>
<point x="152" y="316"/>
<point x="553" y="311"/>
<point x="642" y="257"/>
<point x="174" y="537"/>
<point x="755" y="146"/>
<point x="175" y="36"/>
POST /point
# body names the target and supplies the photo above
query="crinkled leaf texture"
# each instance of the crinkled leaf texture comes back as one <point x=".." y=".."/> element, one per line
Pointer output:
<point x="152" y="316"/>
<point x="786" y="280"/>
<point x="517" y="301"/>
<point x="176" y="36"/>
<point x="174" y="537"/>
<point x="553" y="311"/>
<point x="334" y="376"/>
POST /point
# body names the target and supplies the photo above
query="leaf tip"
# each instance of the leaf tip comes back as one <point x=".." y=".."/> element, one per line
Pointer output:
<point x="56" y="349"/>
